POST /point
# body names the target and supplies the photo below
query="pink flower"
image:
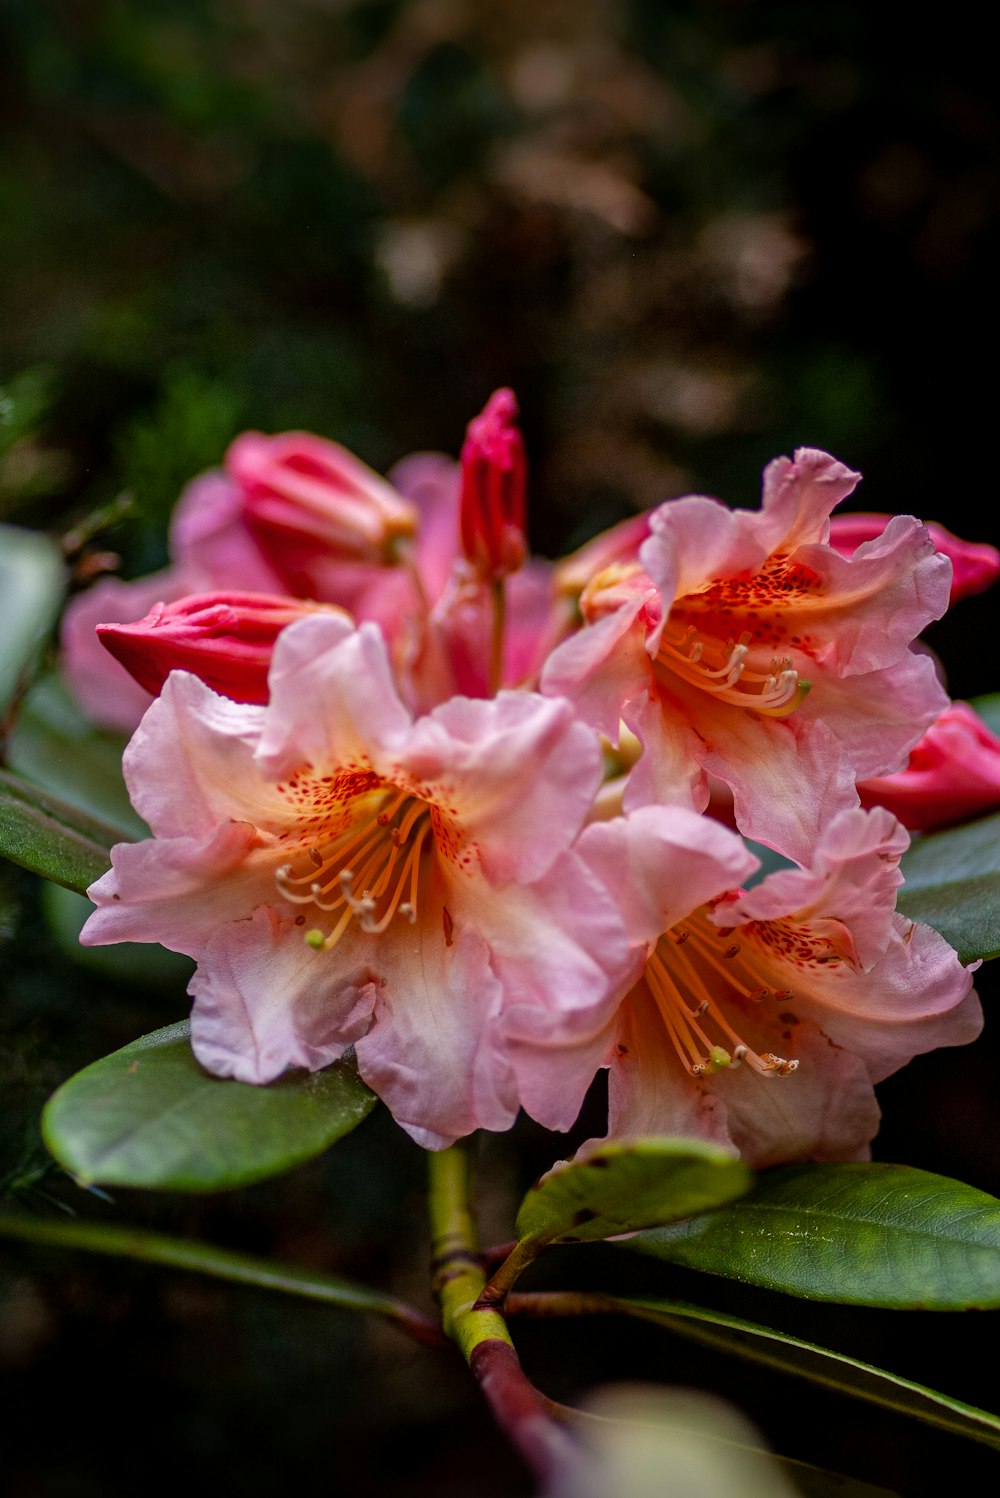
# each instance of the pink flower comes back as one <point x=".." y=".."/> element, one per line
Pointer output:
<point x="225" y="638"/>
<point x="492" y="510"/>
<point x="976" y="565"/>
<point x="953" y="774"/>
<point x="746" y="648"/>
<point x="347" y="874"/>
<point x="764" y="1017"/>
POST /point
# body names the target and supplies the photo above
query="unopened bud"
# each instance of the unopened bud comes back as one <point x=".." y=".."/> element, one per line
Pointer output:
<point x="953" y="774"/>
<point x="494" y="474"/>
<point x="975" y="565"/>
<point x="306" y="499"/>
<point x="226" y="639"/>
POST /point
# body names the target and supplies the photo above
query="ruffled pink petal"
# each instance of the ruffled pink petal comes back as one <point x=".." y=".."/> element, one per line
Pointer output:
<point x="178" y="891"/>
<point x="975" y="565"/>
<point x="878" y="717"/>
<point x="210" y="540"/>
<point x="661" y="862"/>
<point x="265" y="1002"/>
<point x="799" y="494"/>
<point x="324" y="661"/>
<point x="601" y="667"/>
<point x="190" y="762"/>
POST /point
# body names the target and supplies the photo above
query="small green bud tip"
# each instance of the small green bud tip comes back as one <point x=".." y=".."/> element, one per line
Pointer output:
<point x="719" y="1058"/>
<point x="315" y="939"/>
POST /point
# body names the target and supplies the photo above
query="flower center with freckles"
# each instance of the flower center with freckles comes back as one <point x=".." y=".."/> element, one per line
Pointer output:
<point x="682" y="976"/>
<point x="367" y="868"/>
<point x="725" y="671"/>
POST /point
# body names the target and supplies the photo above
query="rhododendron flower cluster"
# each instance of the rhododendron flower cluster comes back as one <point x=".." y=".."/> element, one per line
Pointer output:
<point x="416" y="793"/>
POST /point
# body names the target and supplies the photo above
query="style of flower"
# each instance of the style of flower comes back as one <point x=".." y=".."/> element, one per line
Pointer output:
<point x="347" y="874"/>
<point x="740" y="645"/>
<point x="953" y="773"/>
<point x="764" y="1017"/>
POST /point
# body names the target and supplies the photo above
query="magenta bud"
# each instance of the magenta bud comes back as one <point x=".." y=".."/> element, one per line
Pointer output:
<point x="226" y="639"/>
<point x="953" y="774"/>
<point x="494" y="477"/>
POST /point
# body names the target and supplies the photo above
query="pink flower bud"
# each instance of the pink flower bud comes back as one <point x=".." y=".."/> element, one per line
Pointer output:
<point x="492" y="507"/>
<point x="975" y="565"/>
<point x="224" y="638"/>
<point x="953" y="774"/>
<point x="305" y="498"/>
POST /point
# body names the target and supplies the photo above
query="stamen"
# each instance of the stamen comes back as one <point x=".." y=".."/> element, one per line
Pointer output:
<point x="775" y="693"/>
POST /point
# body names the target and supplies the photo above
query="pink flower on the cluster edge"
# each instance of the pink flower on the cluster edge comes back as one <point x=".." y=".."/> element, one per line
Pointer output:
<point x="741" y="645"/>
<point x="953" y="774"/>
<point x="975" y="564"/>
<point x="763" y="1017"/>
<point x="345" y="874"/>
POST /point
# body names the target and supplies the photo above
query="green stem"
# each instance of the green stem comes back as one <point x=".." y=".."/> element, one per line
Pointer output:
<point x="205" y="1258"/>
<point x="479" y="1332"/>
<point x="496" y="643"/>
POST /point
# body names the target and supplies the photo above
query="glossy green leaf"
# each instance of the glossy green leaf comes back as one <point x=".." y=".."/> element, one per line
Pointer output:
<point x="953" y="883"/>
<point x="48" y="837"/>
<point x="149" y="1115"/>
<point x="878" y="1235"/>
<point x="144" y="963"/>
<point x="819" y="1365"/>
<point x="615" y="1187"/>
<point x="55" y="746"/>
<point x="31" y="586"/>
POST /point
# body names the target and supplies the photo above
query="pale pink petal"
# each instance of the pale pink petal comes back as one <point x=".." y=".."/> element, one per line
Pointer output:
<point x="602" y="667"/>
<point x="432" y="482"/>
<point x="878" y="717"/>
<point x="975" y="565"/>
<point x="178" y="891"/>
<point x="265" y="1002"/>
<point x="953" y="773"/>
<point x="190" y="762"/>
<point x="799" y="494"/>
<point x="660" y="862"/>
<point x="323" y="660"/>
<point x="669" y="768"/>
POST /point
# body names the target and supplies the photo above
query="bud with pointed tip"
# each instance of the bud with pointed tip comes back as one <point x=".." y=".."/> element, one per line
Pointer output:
<point x="494" y="472"/>
<point x="226" y="639"/>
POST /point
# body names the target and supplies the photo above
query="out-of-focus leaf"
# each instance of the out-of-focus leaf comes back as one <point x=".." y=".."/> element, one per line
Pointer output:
<point x="615" y="1187"/>
<point x="878" y="1235"/>
<point x="50" y="838"/>
<point x="988" y="708"/>
<point x="57" y="747"/>
<point x="953" y="883"/>
<point x="31" y="587"/>
<point x="820" y="1365"/>
<point x="149" y="1115"/>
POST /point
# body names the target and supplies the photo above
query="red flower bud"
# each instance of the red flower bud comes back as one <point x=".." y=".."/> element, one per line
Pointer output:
<point x="306" y="499"/>
<point x="492" y="509"/>
<point x="953" y="774"/>
<point x="224" y="638"/>
<point x="975" y="565"/>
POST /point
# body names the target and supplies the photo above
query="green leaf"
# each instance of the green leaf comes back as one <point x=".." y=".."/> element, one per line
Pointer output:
<point x="988" y="708"/>
<point x="145" y="963"/>
<point x="55" y="746"/>
<point x="615" y="1187"/>
<point x="149" y="1115"/>
<point x="50" y="838"/>
<point x="820" y="1365"/>
<point x="31" y="586"/>
<point x="877" y="1235"/>
<point x="953" y="883"/>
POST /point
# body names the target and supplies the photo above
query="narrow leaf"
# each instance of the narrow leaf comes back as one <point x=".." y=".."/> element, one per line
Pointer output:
<point x="953" y="883"/>
<point x="149" y="1115"/>
<point x="878" y="1235"/>
<point x="820" y="1365"/>
<point x="615" y="1187"/>
<point x="50" y="838"/>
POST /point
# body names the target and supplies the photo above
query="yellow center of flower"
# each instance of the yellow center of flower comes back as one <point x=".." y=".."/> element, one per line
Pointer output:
<point x="725" y="670"/>
<point x="367" y="869"/>
<point x="682" y="976"/>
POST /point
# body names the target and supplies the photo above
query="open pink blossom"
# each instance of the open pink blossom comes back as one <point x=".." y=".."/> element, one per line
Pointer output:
<point x="743" y="646"/>
<point x="347" y="874"/>
<point x="763" y="1018"/>
<point x="953" y="774"/>
<point x="975" y="564"/>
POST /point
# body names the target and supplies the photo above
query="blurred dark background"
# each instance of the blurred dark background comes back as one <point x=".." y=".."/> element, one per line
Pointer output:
<point x="691" y="236"/>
